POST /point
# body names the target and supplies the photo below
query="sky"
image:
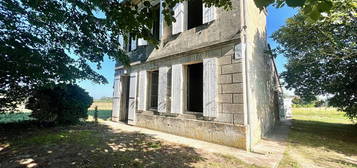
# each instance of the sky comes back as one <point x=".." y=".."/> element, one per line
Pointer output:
<point x="275" y="19"/>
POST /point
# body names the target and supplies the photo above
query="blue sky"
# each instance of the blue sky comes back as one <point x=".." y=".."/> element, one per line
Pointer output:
<point x="276" y="18"/>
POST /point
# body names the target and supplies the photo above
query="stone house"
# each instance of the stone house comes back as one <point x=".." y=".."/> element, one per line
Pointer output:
<point x="209" y="79"/>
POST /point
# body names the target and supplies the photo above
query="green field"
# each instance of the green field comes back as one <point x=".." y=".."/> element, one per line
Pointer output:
<point x="15" y="117"/>
<point x="321" y="137"/>
<point x="104" y="112"/>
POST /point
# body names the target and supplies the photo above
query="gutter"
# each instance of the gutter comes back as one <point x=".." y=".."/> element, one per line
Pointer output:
<point x="246" y="79"/>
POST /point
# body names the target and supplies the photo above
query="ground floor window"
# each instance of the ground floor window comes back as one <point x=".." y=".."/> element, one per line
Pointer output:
<point x="154" y="89"/>
<point x="195" y="87"/>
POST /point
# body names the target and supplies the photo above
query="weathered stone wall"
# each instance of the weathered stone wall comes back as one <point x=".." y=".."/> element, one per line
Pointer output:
<point x="227" y="128"/>
<point x="221" y="133"/>
<point x="230" y="83"/>
<point x="263" y="113"/>
<point x="225" y="27"/>
<point x="230" y="97"/>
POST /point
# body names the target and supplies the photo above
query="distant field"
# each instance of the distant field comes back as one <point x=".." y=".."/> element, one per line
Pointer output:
<point x="102" y="105"/>
<point x="104" y="112"/>
<point x="15" y="117"/>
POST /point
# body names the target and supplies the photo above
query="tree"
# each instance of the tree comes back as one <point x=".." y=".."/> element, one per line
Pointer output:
<point x="322" y="56"/>
<point x="59" y="104"/>
<point x="310" y="8"/>
<point x="38" y="37"/>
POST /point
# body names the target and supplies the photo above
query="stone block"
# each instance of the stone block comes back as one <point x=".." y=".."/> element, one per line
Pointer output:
<point x="237" y="78"/>
<point x="238" y="118"/>
<point x="225" y="79"/>
<point x="231" y="68"/>
<point x="238" y="98"/>
<point x="225" y="60"/>
<point x="225" y="98"/>
<point x="232" y="108"/>
<point x="232" y="88"/>
<point x="225" y="118"/>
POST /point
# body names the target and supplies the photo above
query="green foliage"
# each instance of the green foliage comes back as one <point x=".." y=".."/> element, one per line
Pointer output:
<point x="298" y="102"/>
<point x="47" y="42"/>
<point x="37" y="38"/>
<point x="311" y="8"/>
<point x="62" y="104"/>
<point x="322" y="56"/>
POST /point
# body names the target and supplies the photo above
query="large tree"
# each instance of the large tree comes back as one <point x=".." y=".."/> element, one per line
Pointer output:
<point x="43" y="42"/>
<point x="322" y="56"/>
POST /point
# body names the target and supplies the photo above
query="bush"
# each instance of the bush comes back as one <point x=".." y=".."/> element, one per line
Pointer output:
<point x="61" y="104"/>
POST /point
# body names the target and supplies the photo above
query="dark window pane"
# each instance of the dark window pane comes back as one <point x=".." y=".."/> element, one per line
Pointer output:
<point x="154" y="89"/>
<point x="195" y="87"/>
<point x="195" y="8"/>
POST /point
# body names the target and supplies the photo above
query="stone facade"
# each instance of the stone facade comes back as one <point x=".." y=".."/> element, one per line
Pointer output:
<point x="232" y="114"/>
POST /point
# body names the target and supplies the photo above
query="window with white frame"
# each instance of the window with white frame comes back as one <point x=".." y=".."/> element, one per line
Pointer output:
<point x="154" y="89"/>
<point x="195" y="87"/>
<point x="190" y="14"/>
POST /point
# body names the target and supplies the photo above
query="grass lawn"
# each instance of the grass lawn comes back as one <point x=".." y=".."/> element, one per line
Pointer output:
<point x="96" y="145"/>
<point x="24" y="144"/>
<point x="321" y="138"/>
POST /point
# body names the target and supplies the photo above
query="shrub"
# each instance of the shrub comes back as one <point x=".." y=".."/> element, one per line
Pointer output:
<point x="61" y="104"/>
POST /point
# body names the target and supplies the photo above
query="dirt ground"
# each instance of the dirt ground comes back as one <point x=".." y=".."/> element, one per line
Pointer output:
<point x="96" y="145"/>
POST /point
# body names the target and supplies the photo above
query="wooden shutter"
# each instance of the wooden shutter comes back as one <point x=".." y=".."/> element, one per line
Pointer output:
<point x="132" y="98"/>
<point x="179" y="15"/>
<point x="116" y="99"/>
<point x="177" y="89"/>
<point x="142" y="101"/>
<point x="163" y="99"/>
<point x="208" y="14"/>
<point x="210" y="87"/>
<point x="142" y="42"/>
<point x="161" y="26"/>
<point x="133" y="43"/>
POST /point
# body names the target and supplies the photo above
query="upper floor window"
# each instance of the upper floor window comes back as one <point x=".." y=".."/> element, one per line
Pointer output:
<point x="190" y="14"/>
<point x="194" y="15"/>
<point x="156" y="22"/>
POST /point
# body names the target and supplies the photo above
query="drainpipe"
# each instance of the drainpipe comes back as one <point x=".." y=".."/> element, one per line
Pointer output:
<point x="245" y="56"/>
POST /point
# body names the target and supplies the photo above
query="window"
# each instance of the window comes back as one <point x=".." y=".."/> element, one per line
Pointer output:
<point x="154" y="89"/>
<point x="195" y="87"/>
<point x="156" y="24"/>
<point x="195" y="8"/>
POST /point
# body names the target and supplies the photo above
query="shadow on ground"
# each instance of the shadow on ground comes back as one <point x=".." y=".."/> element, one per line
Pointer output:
<point x="87" y="145"/>
<point x="341" y="138"/>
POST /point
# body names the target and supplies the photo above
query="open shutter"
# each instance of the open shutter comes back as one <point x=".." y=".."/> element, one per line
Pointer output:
<point x="142" y="105"/>
<point x="164" y="88"/>
<point x="116" y="99"/>
<point x="133" y="43"/>
<point x="161" y="25"/>
<point x="208" y="14"/>
<point x="177" y="89"/>
<point x="179" y="15"/>
<point x="142" y="42"/>
<point x="210" y="87"/>
<point x="132" y="98"/>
